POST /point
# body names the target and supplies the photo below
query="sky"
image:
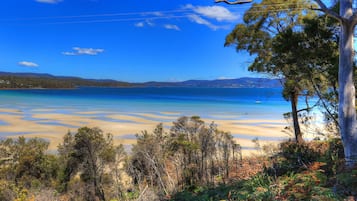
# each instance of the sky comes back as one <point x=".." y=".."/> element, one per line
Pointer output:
<point x="135" y="41"/>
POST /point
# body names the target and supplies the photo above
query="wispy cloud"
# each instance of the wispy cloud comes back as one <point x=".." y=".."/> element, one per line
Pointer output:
<point x="150" y="23"/>
<point x="147" y="22"/>
<point x="156" y="13"/>
<point x="218" y="13"/>
<point x="213" y="17"/>
<point x="83" y="51"/>
<point x="172" y="26"/>
<point x="199" y="20"/>
<point x="205" y="14"/>
<point x="27" y="64"/>
<point x="139" y="24"/>
<point x="49" y="1"/>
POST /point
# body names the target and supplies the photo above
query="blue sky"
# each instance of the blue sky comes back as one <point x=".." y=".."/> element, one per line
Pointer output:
<point x="132" y="41"/>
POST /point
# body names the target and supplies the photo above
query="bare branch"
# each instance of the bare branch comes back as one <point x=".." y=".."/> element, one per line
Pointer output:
<point x="327" y="11"/>
<point x="308" y="109"/>
<point x="234" y="2"/>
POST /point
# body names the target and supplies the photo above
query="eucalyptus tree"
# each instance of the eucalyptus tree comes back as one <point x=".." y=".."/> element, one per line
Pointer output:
<point x="309" y="58"/>
<point x="288" y="58"/>
<point x="347" y="18"/>
<point x="319" y="42"/>
<point x="262" y="23"/>
<point x="149" y="158"/>
<point x="202" y="150"/>
<point x="90" y="153"/>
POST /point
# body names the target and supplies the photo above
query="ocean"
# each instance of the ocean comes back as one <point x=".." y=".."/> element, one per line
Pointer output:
<point x="240" y="103"/>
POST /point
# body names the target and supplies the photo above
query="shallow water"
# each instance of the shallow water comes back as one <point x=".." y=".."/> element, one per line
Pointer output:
<point x="215" y="103"/>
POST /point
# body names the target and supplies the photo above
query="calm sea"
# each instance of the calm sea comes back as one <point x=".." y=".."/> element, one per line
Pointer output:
<point x="239" y="103"/>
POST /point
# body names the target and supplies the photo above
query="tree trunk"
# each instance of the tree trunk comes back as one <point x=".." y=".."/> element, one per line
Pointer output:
<point x="346" y="107"/>
<point x="98" y="190"/>
<point x="297" y="131"/>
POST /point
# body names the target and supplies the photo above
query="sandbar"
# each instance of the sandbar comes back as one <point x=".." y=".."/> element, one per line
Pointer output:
<point x="53" y="126"/>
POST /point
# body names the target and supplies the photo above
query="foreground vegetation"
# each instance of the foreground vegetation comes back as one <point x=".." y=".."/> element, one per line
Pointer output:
<point x="191" y="161"/>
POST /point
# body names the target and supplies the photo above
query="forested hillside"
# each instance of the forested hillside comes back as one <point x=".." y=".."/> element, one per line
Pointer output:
<point x="33" y="80"/>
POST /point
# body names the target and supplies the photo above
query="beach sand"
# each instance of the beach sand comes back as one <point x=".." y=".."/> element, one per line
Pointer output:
<point x="53" y="126"/>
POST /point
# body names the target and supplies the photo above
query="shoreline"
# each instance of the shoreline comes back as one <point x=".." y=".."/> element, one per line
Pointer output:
<point x="142" y="85"/>
<point x="52" y="126"/>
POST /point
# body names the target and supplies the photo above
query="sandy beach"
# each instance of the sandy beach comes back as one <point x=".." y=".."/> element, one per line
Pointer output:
<point x="52" y="126"/>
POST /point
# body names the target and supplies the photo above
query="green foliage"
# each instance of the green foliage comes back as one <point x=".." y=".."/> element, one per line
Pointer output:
<point x="202" y="193"/>
<point x="25" y="162"/>
<point x="333" y="157"/>
<point x="296" y="182"/>
<point x="149" y="156"/>
<point x="9" y="191"/>
<point x="303" y="175"/>
<point x="301" y="186"/>
<point x="203" y="151"/>
<point x="269" y="33"/>
<point x="88" y="153"/>
<point x="262" y="21"/>
<point x="88" y="167"/>
<point x="347" y="182"/>
<point x="292" y="157"/>
<point x="291" y="42"/>
<point x="25" y="167"/>
<point x="298" y="153"/>
<point x="308" y="185"/>
<point x="193" y="153"/>
<point x="256" y="188"/>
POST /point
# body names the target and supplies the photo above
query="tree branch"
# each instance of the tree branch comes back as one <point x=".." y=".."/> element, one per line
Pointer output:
<point x="354" y="19"/>
<point x="327" y="11"/>
<point x="308" y="109"/>
<point x="234" y="2"/>
<point x="324" y="104"/>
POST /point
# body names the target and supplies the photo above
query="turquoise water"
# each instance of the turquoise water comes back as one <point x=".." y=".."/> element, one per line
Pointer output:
<point x="223" y="103"/>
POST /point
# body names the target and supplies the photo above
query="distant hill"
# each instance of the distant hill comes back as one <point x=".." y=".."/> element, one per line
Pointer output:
<point x="39" y="80"/>
<point x="245" y="82"/>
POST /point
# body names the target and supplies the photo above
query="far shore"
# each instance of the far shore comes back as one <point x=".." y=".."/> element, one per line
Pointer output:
<point x="37" y="88"/>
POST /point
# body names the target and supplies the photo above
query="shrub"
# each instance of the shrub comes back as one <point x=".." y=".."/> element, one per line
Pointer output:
<point x="308" y="185"/>
<point x="346" y="183"/>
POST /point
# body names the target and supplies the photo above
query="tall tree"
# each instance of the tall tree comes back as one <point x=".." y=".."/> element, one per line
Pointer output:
<point x="288" y="59"/>
<point x="148" y="160"/>
<point x="347" y="18"/>
<point x="309" y="59"/>
<point x="347" y="93"/>
<point x="319" y="42"/>
<point x="262" y="23"/>
<point x="88" y="152"/>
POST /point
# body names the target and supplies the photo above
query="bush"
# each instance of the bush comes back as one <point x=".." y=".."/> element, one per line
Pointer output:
<point x="346" y="183"/>
<point x="259" y="187"/>
<point x="9" y="192"/>
<point x="308" y="185"/>
<point x="333" y="157"/>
